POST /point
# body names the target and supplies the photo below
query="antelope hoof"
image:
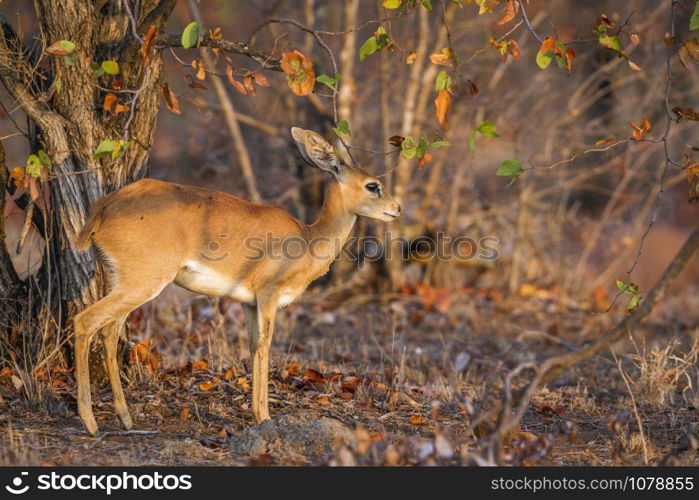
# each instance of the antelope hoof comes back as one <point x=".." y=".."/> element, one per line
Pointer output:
<point x="126" y="421"/>
<point x="91" y="426"/>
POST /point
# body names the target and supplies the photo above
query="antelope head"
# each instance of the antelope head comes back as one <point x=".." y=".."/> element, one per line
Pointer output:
<point x="362" y="193"/>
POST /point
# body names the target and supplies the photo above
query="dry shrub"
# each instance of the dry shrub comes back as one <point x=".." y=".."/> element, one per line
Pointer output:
<point x="663" y="371"/>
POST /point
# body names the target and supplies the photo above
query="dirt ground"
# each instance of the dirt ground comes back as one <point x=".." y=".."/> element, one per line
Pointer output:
<point x="393" y="380"/>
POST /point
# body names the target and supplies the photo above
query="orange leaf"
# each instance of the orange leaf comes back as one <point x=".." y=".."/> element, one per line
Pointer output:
<point x="249" y="85"/>
<point x="411" y="58"/>
<point x="170" y="100"/>
<point x="442" y="105"/>
<point x="299" y="72"/>
<point x="473" y="88"/>
<point x="570" y="55"/>
<point x="110" y="102"/>
<point x="200" y="365"/>
<point x="510" y="12"/>
<point x="56" y="49"/>
<point x="238" y="86"/>
<point x="260" y="79"/>
<point x="207" y="386"/>
<point x="314" y="375"/>
<point x="639" y="131"/>
<point x="184" y="414"/>
<point x="148" y="43"/>
<point x="425" y="159"/>
<point x="216" y="34"/>
<point x="415" y="419"/>
<point x="17" y="176"/>
<point x="513" y="48"/>
<point x="547" y="45"/>
<point x="441" y="59"/>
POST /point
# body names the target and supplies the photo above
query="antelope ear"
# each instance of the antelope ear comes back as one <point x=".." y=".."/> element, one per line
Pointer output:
<point x="317" y="151"/>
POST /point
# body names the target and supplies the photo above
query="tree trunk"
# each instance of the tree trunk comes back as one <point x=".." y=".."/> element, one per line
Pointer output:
<point x="64" y="101"/>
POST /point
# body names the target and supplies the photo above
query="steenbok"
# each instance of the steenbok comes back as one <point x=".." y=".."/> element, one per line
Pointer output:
<point x="152" y="233"/>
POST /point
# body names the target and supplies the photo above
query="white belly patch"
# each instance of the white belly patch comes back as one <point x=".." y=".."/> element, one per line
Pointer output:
<point x="286" y="299"/>
<point x="199" y="278"/>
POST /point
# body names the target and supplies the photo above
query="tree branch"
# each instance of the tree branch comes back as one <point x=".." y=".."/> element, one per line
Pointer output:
<point x="267" y="61"/>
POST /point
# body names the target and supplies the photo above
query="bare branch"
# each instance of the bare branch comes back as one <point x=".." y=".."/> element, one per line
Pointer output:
<point x="267" y="62"/>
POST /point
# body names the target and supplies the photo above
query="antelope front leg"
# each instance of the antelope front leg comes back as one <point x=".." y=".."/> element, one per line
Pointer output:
<point x="260" y="324"/>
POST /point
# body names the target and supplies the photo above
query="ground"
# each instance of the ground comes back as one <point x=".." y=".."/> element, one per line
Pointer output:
<point x="404" y="375"/>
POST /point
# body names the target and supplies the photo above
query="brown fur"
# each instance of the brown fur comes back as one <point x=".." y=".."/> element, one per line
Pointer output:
<point x="151" y="233"/>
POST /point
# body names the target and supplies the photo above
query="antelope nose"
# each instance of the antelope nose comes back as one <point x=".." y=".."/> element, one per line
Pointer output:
<point x="398" y="209"/>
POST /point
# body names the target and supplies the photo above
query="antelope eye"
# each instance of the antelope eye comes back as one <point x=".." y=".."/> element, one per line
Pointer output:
<point x="372" y="187"/>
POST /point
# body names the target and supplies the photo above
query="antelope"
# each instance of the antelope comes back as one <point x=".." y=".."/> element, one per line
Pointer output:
<point x="152" y="233"/>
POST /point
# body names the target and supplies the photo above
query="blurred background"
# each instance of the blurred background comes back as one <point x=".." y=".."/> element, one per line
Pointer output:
<point x="575" y="227"/>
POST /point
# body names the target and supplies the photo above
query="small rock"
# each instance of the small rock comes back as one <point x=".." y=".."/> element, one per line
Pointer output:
<point x="293" y="436"/>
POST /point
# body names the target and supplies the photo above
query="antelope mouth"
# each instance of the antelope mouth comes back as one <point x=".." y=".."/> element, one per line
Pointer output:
<point x="392" y="215"/>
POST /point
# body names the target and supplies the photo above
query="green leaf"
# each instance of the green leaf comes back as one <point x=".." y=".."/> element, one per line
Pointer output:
<point x="628" y="288"/>
<point x="543" y="60"/>
<point x="368" y="48"/>
<point x="119" y="148"/>
<point x="440" y="144"/>
<point x="511" y="167"/>
<point x="442" y="82"/>
<point x="97" y="70"/>
<point x="110" y="67"/>
<point x="342" y="129"/>
<point x="472" y="141"/>
<point x="422" y="147"/>
<point x="34" y="165"/>
<point x="694" y="20"/>
<point x="633" y="303"/>
<point x="610" y="42"/>
<point x="44" y="158"/>
<point x="58" y="84"/>
<point x="327" y="81"/>
<point x="487" y="128"/>
<point x="391" y="4"/>
<point x="190" y="35"/>
<point x="426" y="4"/>
<point x="69" y="60"/>
<point x="408" y="148"/>
<point x="67" y="45"/>
<point x="104" y="148"/>
<point x="561" y="59"/>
